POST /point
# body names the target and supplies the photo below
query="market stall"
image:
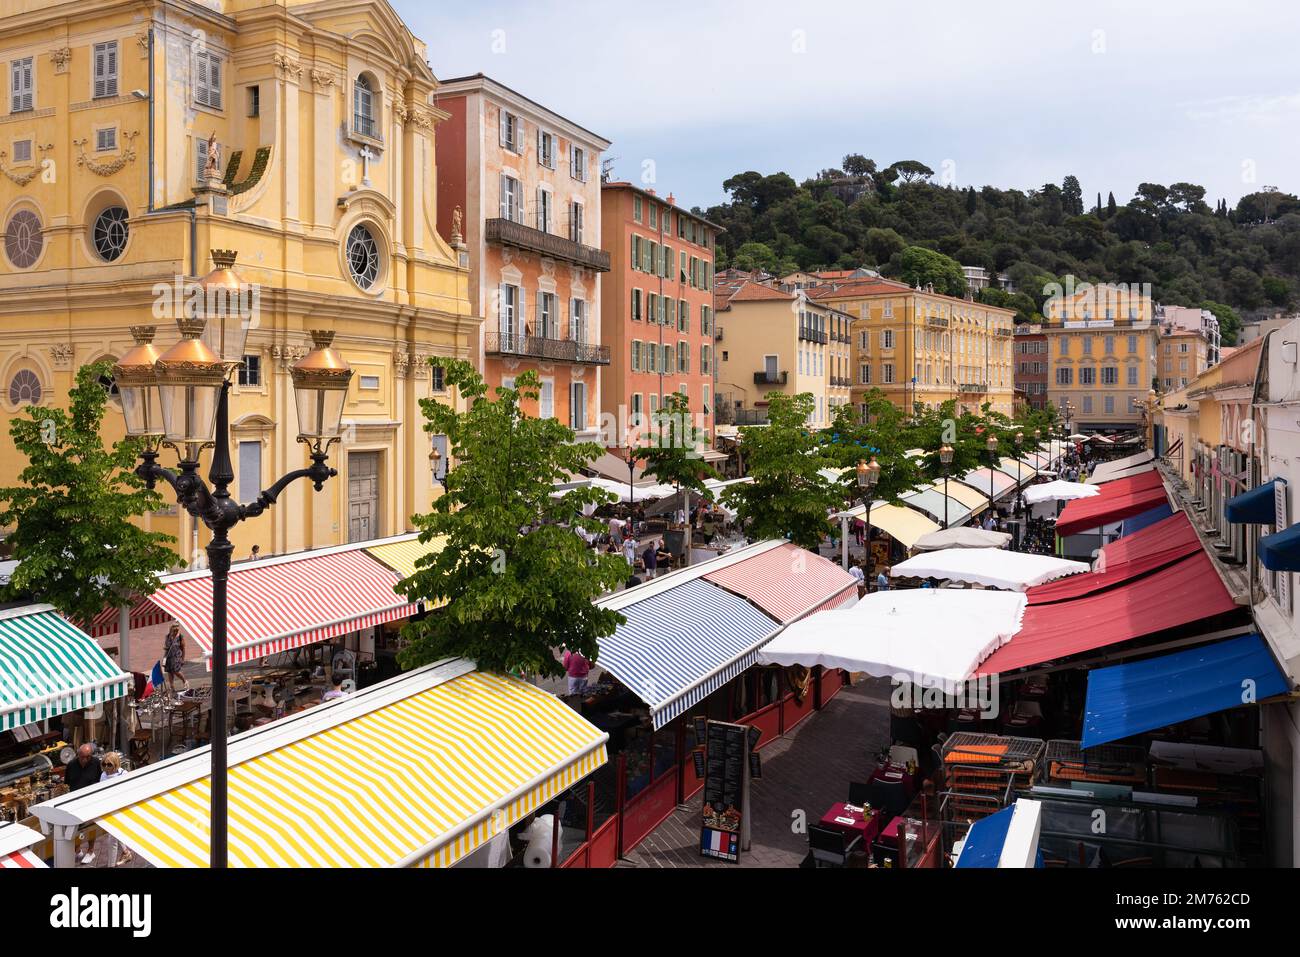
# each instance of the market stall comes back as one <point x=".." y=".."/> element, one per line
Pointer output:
<point x="964" y="537"/>
<point x="989" y="567"/>
<point x="927" y="637"/>
<point x="16" y="841"/>
<point x="430" y="766"/>
<point x="1007" y="839"/>
<point x="1059" y="491"/>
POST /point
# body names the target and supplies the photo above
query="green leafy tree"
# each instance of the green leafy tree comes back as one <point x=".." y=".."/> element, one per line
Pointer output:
<point x="74" y="533"/>
<point x="919" y="266"/>
<point x="674" y="454"/>
<point x="516" y="579"/>
<point x="911" y="170"/>
<point x="787" y="497"/>
<point x="884" y="436"/>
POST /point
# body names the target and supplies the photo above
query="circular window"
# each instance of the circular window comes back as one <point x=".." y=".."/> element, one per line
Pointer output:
<point x="25" y="388"/>
<point x="363" y="256"/>
<point x="23" y="239"/>
<point x="110" y="232"/>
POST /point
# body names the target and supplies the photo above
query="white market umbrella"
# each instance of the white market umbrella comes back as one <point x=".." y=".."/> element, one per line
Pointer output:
<point x="991" y="567"/>
<point x="962" y="537"/>
<point x="923" y="636"/>
<point x="1059" y="492"/>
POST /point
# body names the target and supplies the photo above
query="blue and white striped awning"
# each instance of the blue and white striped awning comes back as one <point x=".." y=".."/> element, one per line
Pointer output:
<point x="48" y="668"/>
<point x="682" y="644"/>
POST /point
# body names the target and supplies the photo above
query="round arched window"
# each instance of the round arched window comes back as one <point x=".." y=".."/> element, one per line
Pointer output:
<point x="363" y="256"/>
<point x="23" y="239"/>
<point x="25" y="388"/>
<point x="110" y="232"/>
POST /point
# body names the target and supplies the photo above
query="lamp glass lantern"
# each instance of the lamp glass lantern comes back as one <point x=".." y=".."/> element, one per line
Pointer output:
<point x="868" y="475"/>
<point x="137" y="383"/>
<point x="320" y="386"/>
<point x="945" y="454"/>
<point x="220" y="297"/>
<point x="190" y="380"/>
<point x="992" y="443"/>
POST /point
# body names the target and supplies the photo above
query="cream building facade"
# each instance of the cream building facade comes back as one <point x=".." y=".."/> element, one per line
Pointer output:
<point x="1101" y="343"/>
<point x="321" y="118"/>
<point x="924" y="348"/>
<point x="770" y="340"/>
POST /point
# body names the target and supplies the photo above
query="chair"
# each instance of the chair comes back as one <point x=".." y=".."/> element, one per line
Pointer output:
<point x="889" y="796"/>
<point x="859" y="793"/>
<point x="829" y="846"/>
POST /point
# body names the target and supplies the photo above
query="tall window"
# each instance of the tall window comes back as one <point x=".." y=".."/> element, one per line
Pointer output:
<point x="636" y="355"/>
<point x="578" y="406"/>
<point x="1132" y="375"/>
<point x="508" y="315"/>
<point x="512" y="206"/>
<point x="575" y="222"/>
<point x="1064" y="376"/>
<point x="250" y="470"/>
<point x="207" y="80"/>
<point x="510" y="132"/>
<point x="887" y="373"/>
<point x="636" y="305"/>
<point x="543" y="210"/>
<point x="105" y="69"/>
<point x="546" y="149"/>
<point x="547" y="320"/>
<point x="578" y="320"/>
<point x="578" y="163"/>
<point x="22" y="90"/>
<point x="1109" y="375"/>
<point x="363" y="106"/>
<point x="887" y="339"/>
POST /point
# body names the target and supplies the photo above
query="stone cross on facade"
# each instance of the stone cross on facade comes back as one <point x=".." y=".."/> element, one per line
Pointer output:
<point x="367" y="154"/>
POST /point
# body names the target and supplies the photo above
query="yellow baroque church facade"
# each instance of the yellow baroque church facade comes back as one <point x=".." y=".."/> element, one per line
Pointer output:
<point x="138" y="135"/>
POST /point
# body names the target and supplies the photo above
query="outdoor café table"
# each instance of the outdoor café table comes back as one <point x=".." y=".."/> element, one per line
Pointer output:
<point x="894" y="772"/>
<point x="851" y="820"/>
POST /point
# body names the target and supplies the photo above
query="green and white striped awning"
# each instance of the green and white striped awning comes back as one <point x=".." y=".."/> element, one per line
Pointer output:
<point x="48" y="667"/>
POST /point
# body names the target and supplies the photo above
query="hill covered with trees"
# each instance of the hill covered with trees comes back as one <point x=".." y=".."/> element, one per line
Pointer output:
<point x="899" y="221"/>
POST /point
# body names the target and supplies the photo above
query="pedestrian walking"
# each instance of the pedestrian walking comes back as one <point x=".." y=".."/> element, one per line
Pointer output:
<point x="174" y="657"/>
<point x="576" y="668"/>
<point x="882" y="580"/>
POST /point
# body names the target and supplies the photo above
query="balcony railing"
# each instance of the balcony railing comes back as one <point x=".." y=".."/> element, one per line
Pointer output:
<point x="812" y="335"/>
<point x="544" y="347"/>
<point x="972" y="387"/>
<point x="936" y="321"/>
<point x="509" y="233"/>
<point x="771" y="378"/>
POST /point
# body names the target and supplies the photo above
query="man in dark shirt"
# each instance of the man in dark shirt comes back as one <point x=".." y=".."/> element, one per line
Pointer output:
<point x="83" y="770"/>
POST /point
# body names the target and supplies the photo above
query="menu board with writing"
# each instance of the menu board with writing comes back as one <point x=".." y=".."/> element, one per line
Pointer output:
<point x="726" y="754"/>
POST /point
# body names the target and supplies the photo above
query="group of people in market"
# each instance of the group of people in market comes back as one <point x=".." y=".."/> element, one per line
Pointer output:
<point x="81" y="772"/>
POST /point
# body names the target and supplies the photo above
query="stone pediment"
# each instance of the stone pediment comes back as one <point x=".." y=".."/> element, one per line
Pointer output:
<point x="369" y="201"/>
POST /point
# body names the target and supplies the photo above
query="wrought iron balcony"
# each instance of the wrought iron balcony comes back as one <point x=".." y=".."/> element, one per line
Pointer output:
<point x="544" y="347"/>
<point x="972" y="387"/>
<point x="771" y="378"/>
<point x="509" y="233"/>
<point x="812" y="335"/>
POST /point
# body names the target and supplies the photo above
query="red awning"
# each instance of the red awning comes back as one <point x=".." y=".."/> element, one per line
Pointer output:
<point x="1184" y="592"/>
<point x="787" y="582"/>
<point x="1169" y="535"/>
<point x="275" y="606"/>
<point x="1118" y="500"/>
<point x="144" y="614"/>
<point x="1068" y="589"/>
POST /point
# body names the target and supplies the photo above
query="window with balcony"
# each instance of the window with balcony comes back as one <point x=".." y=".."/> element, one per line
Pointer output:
<point x="547" y="320"/>
<point x="578" y="330"/>
<point x="576" y="221"/>
<point x="512" y="199"/>
<point x="544" y="210"/>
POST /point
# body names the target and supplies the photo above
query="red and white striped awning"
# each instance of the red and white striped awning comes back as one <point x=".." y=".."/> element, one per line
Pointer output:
<point x="144" y="614"/>
<point x="22" y="860"/>
<point x="787" y="582"/>
<point x="15" y="839"/>
<point x="277" y="606"/>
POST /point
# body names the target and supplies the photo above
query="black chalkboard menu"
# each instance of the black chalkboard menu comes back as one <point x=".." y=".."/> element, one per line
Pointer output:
<point x="726" y="754"/>
<point x="755" y="764"/>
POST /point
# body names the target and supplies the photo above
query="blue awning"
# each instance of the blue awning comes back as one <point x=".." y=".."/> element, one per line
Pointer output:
<point x="680" y="645"/>
<point x="1252" y="508"/>
<point x="1280" y="552"/>
<point x="1128" y="699"/>
<point x="1147" y="518"/>
<point x="1008" y="838"/>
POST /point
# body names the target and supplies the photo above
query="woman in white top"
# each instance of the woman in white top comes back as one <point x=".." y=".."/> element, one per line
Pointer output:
<point x="111" y="769"/>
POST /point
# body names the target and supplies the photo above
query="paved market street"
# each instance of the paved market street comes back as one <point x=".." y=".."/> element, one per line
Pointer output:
<point x="807" y="770"/>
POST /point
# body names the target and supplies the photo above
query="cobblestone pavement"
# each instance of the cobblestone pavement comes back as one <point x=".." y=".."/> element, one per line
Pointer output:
<point x="806" y="771"/>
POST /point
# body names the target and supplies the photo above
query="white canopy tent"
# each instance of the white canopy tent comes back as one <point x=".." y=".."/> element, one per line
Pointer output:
<point x="962" y="537"/>
<point x="991" y="567"/>
<point x="1059" y="492"/>
<point x="1107" y="471"/>
<point x="923" y="636"/>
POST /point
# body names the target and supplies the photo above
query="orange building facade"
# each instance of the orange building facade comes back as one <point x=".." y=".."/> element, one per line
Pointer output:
<point x="527" y="184"/>
<point x="658" y="321"/>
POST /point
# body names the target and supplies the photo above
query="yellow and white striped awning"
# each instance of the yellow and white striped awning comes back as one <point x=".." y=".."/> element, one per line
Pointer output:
<point x="421" y="781"/>
<point x="401" y="556"/>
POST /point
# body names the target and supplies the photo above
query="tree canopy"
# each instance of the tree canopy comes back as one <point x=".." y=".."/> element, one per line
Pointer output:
<point x="74" y="537"/>
<point x="1193" y="254"/>
<point x="517" y="580"/>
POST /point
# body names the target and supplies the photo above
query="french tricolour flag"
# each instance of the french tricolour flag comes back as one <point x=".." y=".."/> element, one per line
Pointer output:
<point x="154" y="681"/>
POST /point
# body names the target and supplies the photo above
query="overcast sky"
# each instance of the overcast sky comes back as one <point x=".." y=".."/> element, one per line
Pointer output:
<point x="1013" y="94"/>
